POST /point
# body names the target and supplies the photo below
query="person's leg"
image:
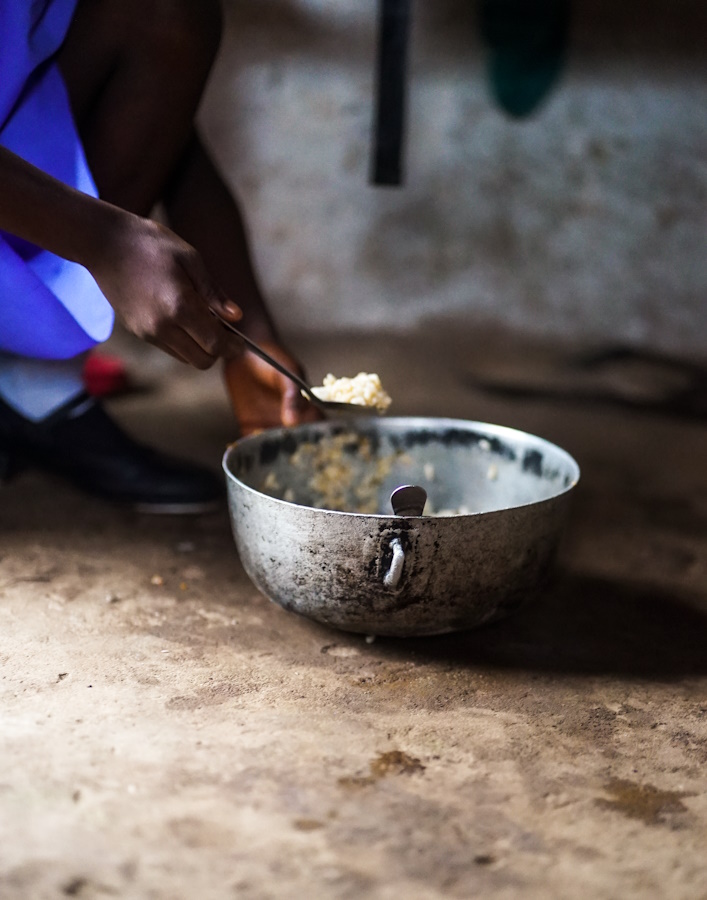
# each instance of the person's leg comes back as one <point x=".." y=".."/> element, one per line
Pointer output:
<point x="135" y="71"/>
<point x="201" y="209"/>
<point x="135" y="95"/>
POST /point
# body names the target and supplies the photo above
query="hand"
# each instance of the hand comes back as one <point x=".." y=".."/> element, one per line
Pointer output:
<point x="262" y="397"/>
<point x="161" y="291"/>
<point x="157" y="283"/>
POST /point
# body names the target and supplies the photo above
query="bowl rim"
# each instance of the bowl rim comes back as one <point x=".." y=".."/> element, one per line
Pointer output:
<point x="493" y="430"/>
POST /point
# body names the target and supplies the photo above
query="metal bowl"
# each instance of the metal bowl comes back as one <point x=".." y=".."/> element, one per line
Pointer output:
<point x="503" y="495"/>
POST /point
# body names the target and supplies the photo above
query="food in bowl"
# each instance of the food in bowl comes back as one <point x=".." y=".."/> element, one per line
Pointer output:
<point x="344" y="473"/>
<point x="363" y="390"/>
<point x="378" y="573"/>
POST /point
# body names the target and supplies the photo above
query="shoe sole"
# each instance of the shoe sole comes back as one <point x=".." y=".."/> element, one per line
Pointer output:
<point x="11" y="467"/>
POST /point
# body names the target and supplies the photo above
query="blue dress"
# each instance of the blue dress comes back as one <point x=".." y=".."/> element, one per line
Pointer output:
<point x="49" y="308"/>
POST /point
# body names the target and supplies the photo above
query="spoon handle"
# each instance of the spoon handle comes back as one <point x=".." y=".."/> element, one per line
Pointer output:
<point x="263" y="354"/>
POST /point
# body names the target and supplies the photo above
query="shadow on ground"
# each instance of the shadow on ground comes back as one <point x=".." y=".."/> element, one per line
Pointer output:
<point x="584" y="626"/>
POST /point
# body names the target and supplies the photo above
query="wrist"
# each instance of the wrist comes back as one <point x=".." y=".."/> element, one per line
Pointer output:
<point x="103" y="230"/>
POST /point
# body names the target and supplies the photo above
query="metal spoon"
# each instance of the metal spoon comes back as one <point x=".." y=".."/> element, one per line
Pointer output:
<point x="408" y="500"/>
<point x="327" y="406"/>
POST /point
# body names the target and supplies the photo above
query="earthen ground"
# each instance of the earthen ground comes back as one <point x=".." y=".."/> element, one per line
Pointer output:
<point x="167" y="732"/>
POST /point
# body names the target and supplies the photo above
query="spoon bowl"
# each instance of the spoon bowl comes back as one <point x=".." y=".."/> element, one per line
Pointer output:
<point x="332" y="407"/>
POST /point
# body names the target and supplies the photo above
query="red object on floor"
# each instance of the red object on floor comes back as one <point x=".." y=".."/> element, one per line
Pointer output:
<point x="105" y="375"/>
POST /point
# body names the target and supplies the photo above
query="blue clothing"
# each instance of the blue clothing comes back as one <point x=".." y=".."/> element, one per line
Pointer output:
<point x="50" y="308"/>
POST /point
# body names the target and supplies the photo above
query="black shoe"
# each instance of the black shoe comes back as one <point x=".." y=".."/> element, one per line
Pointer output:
<point x="81" y="443"/>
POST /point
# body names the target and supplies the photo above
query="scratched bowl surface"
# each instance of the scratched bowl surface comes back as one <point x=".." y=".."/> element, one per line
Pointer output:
<point x="314" y="528"/>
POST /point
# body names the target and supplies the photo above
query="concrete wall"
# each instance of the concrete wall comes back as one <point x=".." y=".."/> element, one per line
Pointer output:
<point x="587" y="219"/>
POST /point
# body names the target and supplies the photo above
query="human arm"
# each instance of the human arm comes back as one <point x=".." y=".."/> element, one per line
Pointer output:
<point x="156" y="282"/>
<point x="202" y="209"/>
<point x="263" y="398"/>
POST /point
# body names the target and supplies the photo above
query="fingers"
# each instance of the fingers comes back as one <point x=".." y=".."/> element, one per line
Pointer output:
<point x="160" y="289"/>
<point x="289" y="409"/>
<point x="182" y="346"/>
<point x="264" y="373"/>
<point x="168" y="350"/>
<point x="264" y="398"/>
<point x="294" y="408"/>
<point x="214" y="297"/>
<point x="205" y="330"/>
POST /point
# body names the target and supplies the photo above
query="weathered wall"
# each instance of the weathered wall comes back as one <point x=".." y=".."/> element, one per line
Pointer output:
<point x="587" y="219"/>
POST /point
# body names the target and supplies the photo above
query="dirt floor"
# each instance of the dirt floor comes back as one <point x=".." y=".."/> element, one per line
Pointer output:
<point x="167" y="732"/>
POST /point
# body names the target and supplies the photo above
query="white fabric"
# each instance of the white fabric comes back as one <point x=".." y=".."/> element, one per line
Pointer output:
<point x="35" y="388"/>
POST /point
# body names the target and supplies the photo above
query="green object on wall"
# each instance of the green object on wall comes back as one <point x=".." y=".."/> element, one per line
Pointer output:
<point x="527" y="42"/>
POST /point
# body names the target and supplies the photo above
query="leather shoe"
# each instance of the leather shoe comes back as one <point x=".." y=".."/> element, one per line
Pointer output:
<point x="81" y="443"/>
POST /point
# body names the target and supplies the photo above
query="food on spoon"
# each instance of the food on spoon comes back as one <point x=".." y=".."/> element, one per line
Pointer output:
<point x="363" y="390"/>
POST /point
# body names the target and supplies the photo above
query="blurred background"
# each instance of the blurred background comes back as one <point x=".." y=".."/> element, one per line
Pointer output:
<point x="554" y="174"/>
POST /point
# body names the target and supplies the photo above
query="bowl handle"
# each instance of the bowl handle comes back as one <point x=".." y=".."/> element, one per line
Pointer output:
<point x="394" y="573"/>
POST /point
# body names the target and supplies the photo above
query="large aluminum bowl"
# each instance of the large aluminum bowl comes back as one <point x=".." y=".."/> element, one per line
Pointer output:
<point x="358" y="567"/>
